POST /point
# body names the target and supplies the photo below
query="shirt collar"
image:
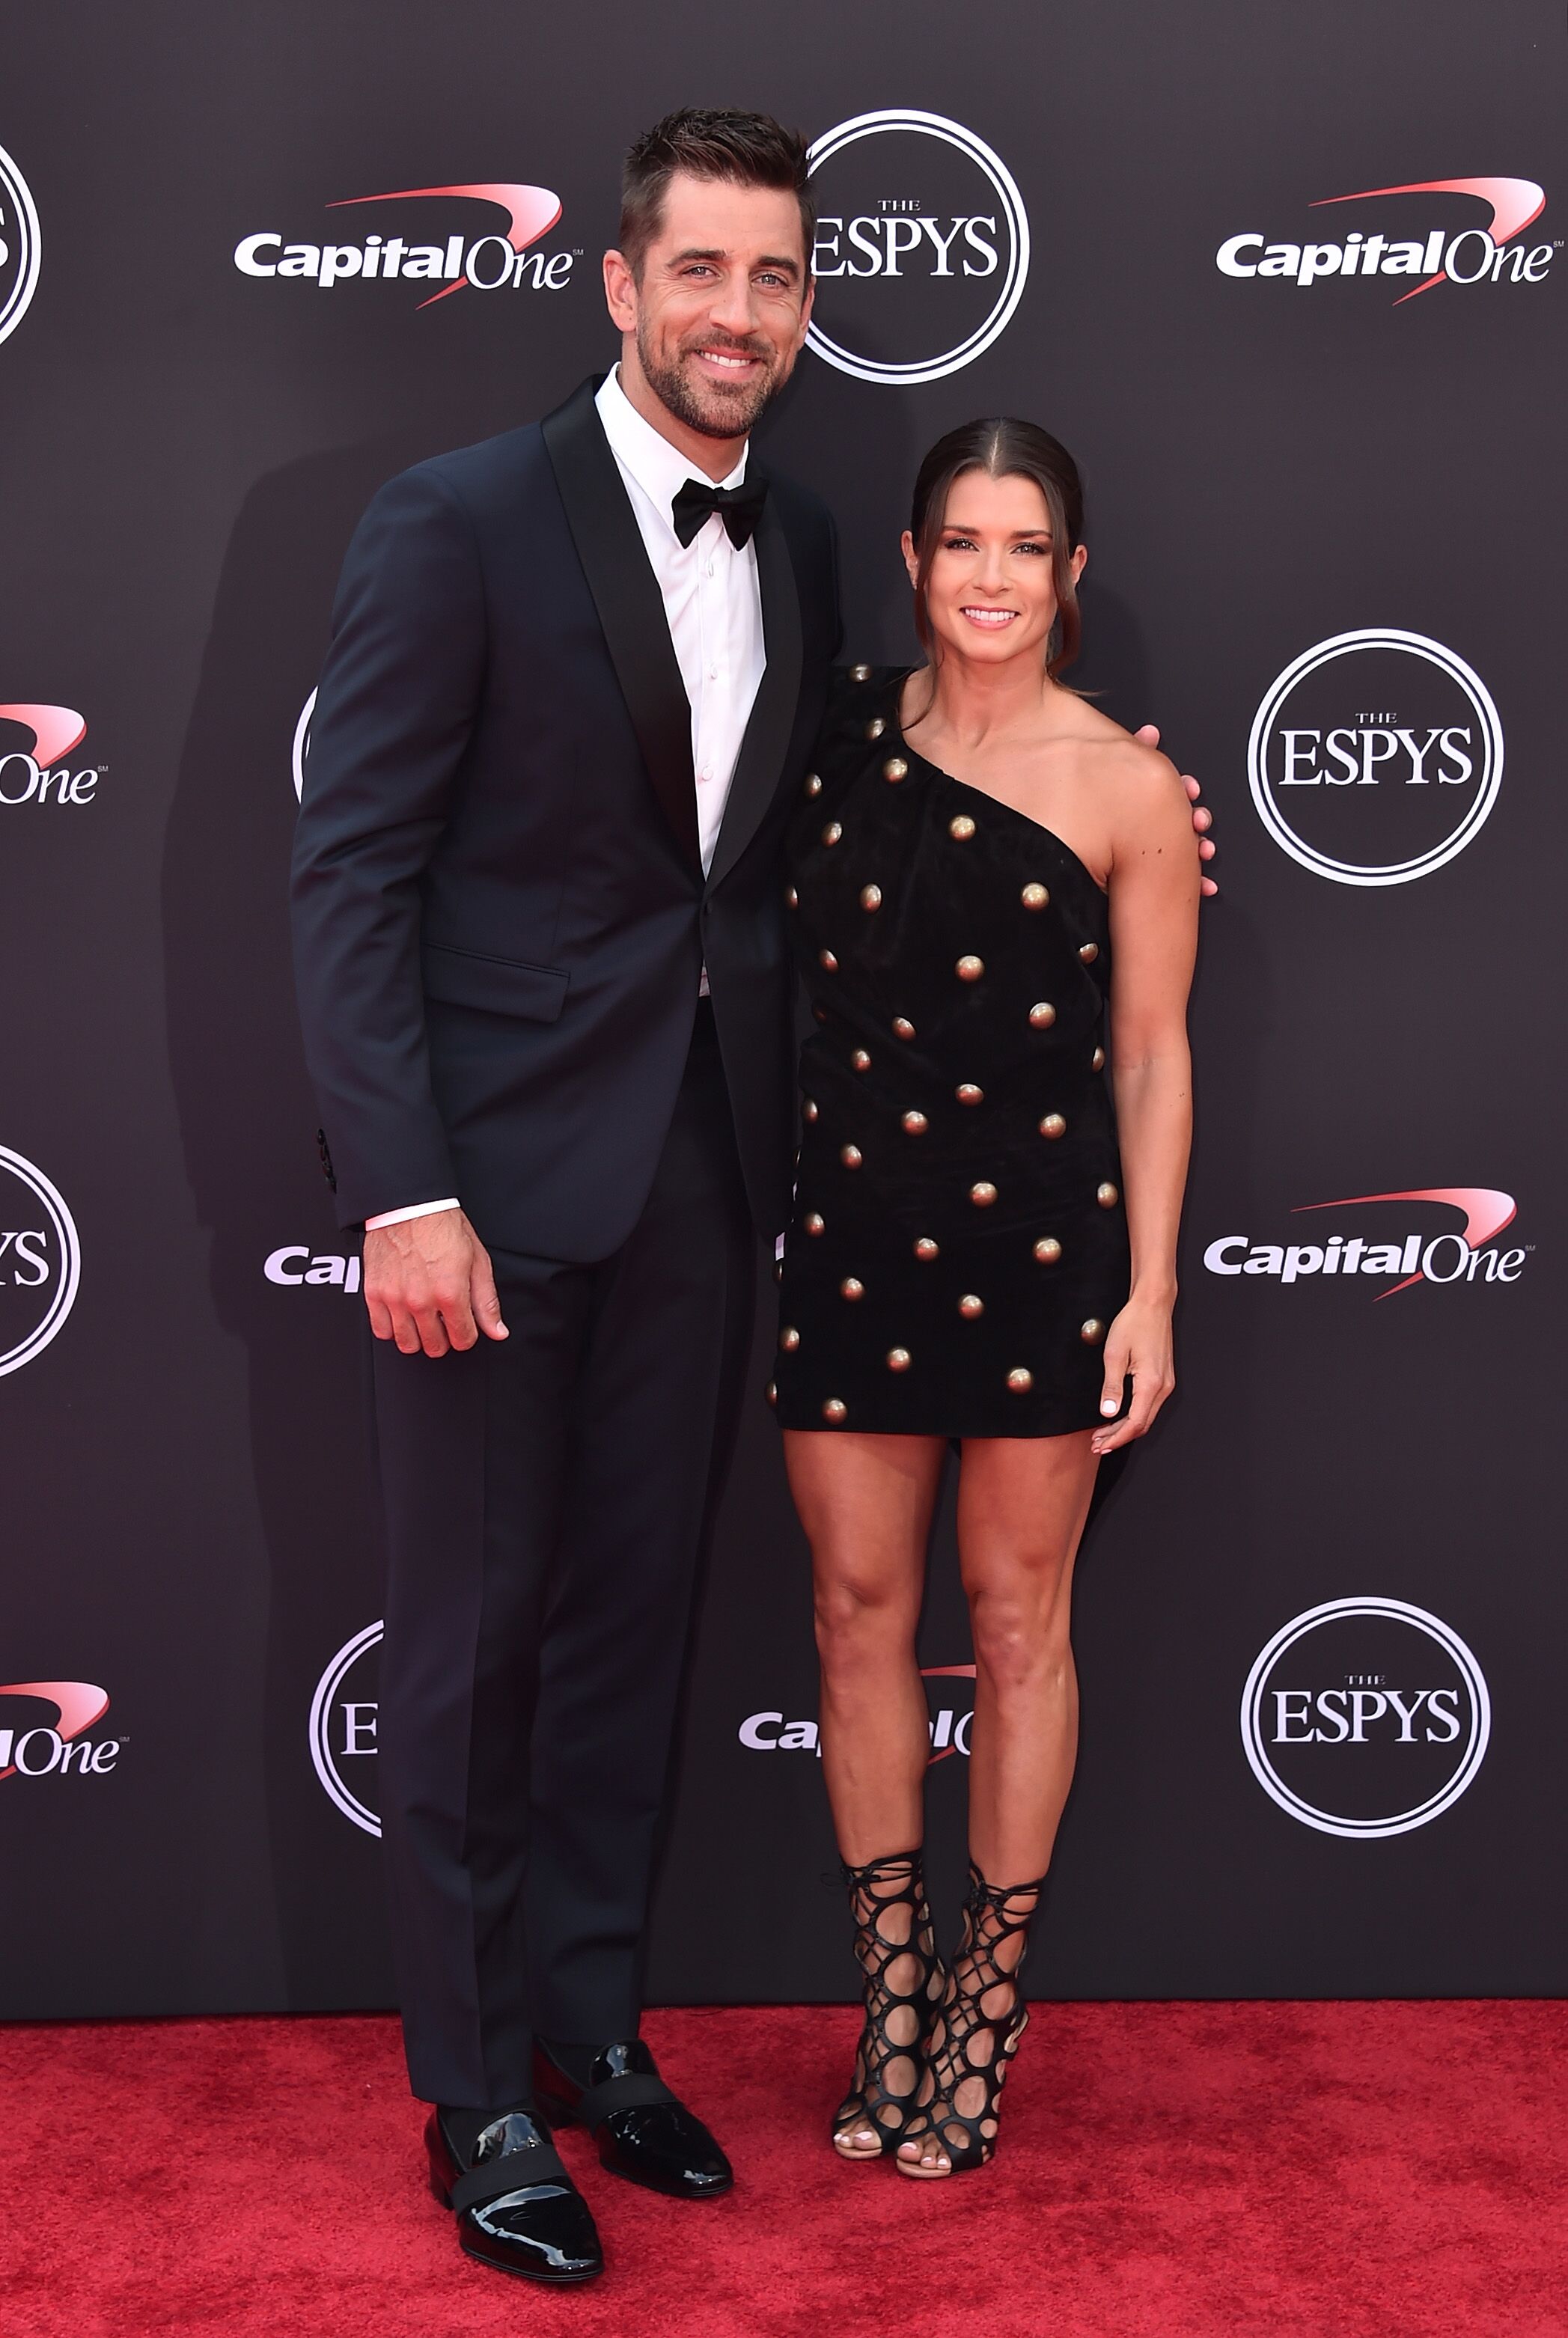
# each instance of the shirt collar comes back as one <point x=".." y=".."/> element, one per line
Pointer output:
<point x="659" y="469"/>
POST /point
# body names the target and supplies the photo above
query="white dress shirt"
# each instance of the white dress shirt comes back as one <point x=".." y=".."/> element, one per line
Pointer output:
<point x="713" y="605"/>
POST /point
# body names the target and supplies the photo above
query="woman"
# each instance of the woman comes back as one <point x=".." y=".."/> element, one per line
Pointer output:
<point x="983" y="1243"/>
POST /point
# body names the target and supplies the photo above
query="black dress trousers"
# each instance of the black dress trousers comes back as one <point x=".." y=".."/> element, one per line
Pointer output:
<point x="549" y="1500"/>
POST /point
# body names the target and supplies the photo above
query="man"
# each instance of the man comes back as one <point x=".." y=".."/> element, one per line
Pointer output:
<point x="574" y="677"/>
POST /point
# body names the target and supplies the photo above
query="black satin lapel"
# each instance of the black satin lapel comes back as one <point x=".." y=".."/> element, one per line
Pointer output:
<point x="767" y="739"/>
<point x="630" y="605"/>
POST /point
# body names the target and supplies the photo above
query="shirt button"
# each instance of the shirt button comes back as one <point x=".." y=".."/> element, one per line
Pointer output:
<point x="710" y="569"/>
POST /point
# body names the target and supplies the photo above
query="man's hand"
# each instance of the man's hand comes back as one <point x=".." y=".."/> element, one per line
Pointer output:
<point x="1203" y="818"/>
<point x="428" y="1284"/>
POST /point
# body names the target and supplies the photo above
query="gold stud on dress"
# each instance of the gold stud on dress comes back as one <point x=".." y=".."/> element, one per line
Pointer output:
<point x="813" y="1223"/>
<point x="1054" y="1125"/>
<point x="970" y="1306"/>
<point x="961" y="827"/>
<point x="826" y="961"/>
<point x="1020" y="1381"/>
<point x="967" y="1092"/>
<point x="861" y="1060"/>
<point x="793" y="897"/>
<point x="1091" y="1332"/>
<point x="1106" y="1195"/>
<point x="983" y="1194"/>
<point x="851" y="1288"/>
<point x="926" y="1250"/>
<point x="898" y="1360"/>
<point x="1041" y="1016"/>
<point x="771" y="1391"/>
<point x="809" y="1109"/>
<point x="789" y="1339"/>
<point x="874" y="728"/>
<point x="835" y="1411"/>
<point x="813" y="784"/>
<point x="1097" y="1060"/>
<point x="859" y="674"/>
<point x="1047" y="1250"/>
<point x="970" y="968"/>
<point x="901" y="1028"/>
<point x="833" y="831"/>
<point x="1088" y="953"/>
<point x="915" y="1124"/>
<point x="1035" y="896"/>
<point x="870" y="897"/>
<point x="850" y="1155"/>
<point x="894" y="769"/>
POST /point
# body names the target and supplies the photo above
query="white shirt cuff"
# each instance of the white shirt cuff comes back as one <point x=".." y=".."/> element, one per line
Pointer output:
<point x="418" y="1210"/>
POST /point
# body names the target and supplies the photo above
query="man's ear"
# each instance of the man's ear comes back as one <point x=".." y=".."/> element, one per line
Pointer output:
<point x="620" y="291"/>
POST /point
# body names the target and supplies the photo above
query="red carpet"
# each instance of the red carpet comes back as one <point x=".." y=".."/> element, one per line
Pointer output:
<point x="1336" y="2171"/>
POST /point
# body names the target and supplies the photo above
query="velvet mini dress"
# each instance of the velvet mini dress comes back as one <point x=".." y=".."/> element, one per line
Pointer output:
<point x="958" y="1245"/>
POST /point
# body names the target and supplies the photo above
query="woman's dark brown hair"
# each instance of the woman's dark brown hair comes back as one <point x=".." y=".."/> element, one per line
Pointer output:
<point x="748" y="149"/>
<point x="1004" y="448"/>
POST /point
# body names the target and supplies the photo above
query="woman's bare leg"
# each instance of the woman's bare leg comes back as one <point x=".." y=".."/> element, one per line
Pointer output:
<point x="866" y="1504"/>
<point x="1022" y="1504"/>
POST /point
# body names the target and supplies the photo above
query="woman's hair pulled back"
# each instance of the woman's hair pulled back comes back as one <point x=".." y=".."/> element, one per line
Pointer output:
<point x="1003" y="447"/>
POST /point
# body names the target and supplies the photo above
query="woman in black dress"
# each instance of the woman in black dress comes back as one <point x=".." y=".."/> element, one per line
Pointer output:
<point x="995" y="900"/>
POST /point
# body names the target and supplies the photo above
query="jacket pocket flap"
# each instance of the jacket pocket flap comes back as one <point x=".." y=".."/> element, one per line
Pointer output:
<point x="502" y="986"/>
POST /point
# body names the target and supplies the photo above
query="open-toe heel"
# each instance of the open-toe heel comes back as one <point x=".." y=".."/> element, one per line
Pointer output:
<point x="980" y="2020"/>
<point x="896" y="1952"/>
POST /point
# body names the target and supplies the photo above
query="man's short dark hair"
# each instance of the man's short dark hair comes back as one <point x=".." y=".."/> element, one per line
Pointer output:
<point x="748" y="149"/>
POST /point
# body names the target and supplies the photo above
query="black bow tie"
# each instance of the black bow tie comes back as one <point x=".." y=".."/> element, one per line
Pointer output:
<point x="740" y="508"/>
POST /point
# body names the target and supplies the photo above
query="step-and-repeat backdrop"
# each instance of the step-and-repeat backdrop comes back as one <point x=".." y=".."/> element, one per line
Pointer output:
<point x="1287" y="282"/>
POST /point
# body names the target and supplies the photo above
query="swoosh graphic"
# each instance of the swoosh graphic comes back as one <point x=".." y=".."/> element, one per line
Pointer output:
<point x="55" y="731"/>
<point x="1513" y="203"/>
<point x="531" y="212"/>
<point x="79" y="1703"/>
<point x="1487" y="1210"/>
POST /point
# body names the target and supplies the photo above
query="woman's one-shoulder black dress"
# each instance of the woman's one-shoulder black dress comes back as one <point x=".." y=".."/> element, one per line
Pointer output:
<point x="958" y="1245"/>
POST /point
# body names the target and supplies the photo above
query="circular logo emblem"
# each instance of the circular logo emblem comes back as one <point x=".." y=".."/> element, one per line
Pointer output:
<point x="343" y="1717"/>
<point x="922" y="247"/>
<point x="1376" y="757"/>
<point x="18" y="246"/>
<point x="1366" y="1717"/>
<point x="40" y="1261"/>
<point x="301" y="749"/>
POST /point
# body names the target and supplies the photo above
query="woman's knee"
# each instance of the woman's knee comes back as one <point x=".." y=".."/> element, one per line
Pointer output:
<point x="1021" y="1638"/>
<point x="859" y="1611"/>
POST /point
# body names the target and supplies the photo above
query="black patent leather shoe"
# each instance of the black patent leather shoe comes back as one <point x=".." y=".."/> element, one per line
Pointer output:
<point x="643" y="2131"/>
<point x="517" y="2207"/>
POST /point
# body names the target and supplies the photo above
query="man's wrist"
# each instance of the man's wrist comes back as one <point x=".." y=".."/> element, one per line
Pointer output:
<point x="401" y="1217"/>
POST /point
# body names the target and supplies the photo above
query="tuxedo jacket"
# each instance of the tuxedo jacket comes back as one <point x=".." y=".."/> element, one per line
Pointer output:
<point x="500" y="915"/>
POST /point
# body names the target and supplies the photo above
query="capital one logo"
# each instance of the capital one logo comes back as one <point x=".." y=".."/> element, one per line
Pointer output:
<point x="1366" y="1717"/>
<point x="1386" y="1248"/>
<point x="40" y="1261"/>
<point x="43" y="1726"/>
<point x="922" y="248"/>
<point x="19" y="248"/>
<point x="770" y="1732"/>
<point x="1375" y="757"/>
<point x="38" y="773"/>
<point x="497" y="260"/>
<point x="1475" y="253"/>
<point x="344" y="1713"/>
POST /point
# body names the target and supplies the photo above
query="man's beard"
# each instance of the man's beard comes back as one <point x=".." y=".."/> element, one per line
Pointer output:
<point x="714" y="410"/>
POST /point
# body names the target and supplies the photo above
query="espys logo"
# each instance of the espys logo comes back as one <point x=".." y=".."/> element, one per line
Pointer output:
<point x="922" y="247"/>
<point x="1376" y="757"/>
<point x="1475" y="254"/>
<point x="40" y="1261"/>
<point x="343" y="1717"/>
<point x="1366" y="1718"/>
<point x="770" y="1732"/>
<point x="35" y="773"/>
<point x="32" y="1746"/>
<point x="19" y="251"/>
<point x="1412" y="1257"/>
<point x="489" y="263"/>
<point x="301" y="749"/>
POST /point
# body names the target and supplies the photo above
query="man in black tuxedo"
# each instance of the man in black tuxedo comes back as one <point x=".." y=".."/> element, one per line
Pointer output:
<point x="575" y="673"/>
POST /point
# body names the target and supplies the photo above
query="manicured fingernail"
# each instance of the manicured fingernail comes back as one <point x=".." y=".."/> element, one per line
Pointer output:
<point x="1109" y="1404"/>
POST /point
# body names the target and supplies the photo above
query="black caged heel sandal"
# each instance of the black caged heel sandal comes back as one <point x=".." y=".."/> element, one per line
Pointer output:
<point x="896" y="1952"/>
<point x="978" y="2025"/>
